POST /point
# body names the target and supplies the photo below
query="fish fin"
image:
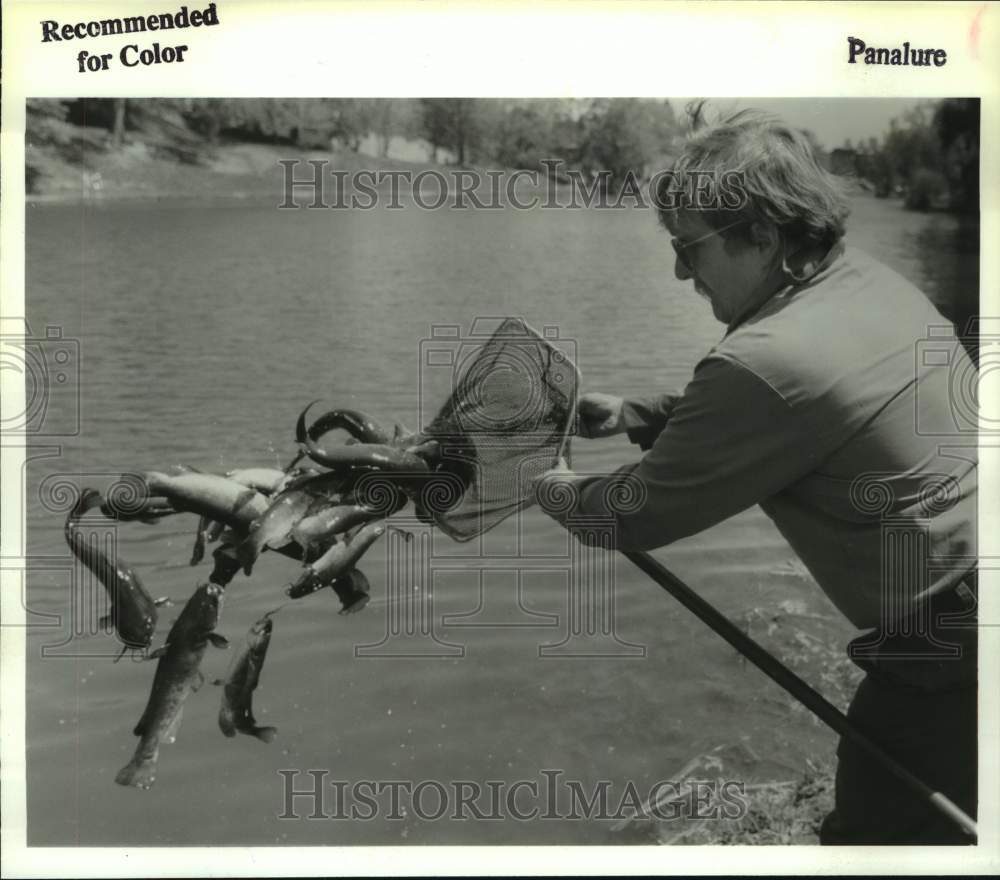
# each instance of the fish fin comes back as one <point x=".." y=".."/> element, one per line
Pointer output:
<point x="246" y="553"/>
<point x="199" y="680"/>
<point x="226" y="722"/>
<point x="353" y="604"/>
<point x="264" y="734"/>
<point x="198" y="551"/>
<point x="218" y="640"/>
<point x="139" y="773"/>
<point x="170" y="736"/>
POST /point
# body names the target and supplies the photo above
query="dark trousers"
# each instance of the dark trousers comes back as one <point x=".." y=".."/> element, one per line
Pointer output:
<point x="921" y="709"/>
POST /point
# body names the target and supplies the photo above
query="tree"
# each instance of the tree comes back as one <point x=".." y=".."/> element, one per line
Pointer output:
<point x="452" y="123"/>
<point x="118" y="126"/>
<point x="617" y="137"/>
<point x="957" y="124"/>
<point x="521" y="135"/>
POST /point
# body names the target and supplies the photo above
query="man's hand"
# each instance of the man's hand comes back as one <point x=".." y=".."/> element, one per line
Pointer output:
<point x="600" y="415"/>
<point x="544" y="482"/>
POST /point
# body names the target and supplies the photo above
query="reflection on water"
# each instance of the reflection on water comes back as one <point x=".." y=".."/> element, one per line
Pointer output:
<point x="204" y="329"/>
<point x="949" y="254"/>
<point x="938" y="252"/>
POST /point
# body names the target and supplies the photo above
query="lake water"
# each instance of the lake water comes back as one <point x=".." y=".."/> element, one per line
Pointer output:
<point x="203" y="329"/>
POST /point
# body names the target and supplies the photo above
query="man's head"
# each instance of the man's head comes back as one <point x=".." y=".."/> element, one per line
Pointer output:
<point x="763" y="204"/>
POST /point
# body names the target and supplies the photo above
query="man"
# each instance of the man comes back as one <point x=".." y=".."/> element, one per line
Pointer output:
<point x="816" y="406"/>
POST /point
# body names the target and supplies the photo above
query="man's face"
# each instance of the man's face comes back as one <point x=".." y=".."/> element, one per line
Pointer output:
<point x="727" y="273"/>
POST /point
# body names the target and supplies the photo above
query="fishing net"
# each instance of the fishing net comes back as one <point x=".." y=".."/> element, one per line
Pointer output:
<point x="508" y="419"/>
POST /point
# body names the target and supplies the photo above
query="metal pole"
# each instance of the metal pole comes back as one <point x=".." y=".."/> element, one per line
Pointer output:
<point x="782" y="675"/>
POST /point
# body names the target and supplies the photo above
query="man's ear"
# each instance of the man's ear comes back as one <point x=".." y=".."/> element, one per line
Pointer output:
<point x="764" y="236"/>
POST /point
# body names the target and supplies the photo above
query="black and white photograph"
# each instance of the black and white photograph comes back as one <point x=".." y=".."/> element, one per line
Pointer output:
<point x="469" y="470"/>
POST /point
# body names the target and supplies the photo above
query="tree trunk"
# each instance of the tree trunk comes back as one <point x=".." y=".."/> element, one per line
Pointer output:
<point x="118" y="129"/>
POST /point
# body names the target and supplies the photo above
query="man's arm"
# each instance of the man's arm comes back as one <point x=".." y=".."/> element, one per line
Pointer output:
<point x="731" y="441"/>
<point x="644" y="418"/>
<point x="604" y="415"/>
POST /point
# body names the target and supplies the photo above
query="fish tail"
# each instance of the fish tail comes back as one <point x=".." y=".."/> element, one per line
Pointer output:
<point x="264" y="734"/>
<point x="227" y="723"/>
<point x="140" y="772"/>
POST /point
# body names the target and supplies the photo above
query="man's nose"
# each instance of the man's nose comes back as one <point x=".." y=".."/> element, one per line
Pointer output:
<point x="681" y="271"/>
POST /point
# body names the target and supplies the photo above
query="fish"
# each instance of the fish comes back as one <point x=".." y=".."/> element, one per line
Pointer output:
<point x="337" y="561"/>
<point x="209" y="494"/>
<point x="330" y="521"/>
<point x="273" y="528"/>
<point x="133" y="610"/>
<point x="366" y="456"/>
<point x="177" y="676"/>
<point x="266" y="480"/>
<point x="150" y="511"/>
<point x="306" y="494"/>
<point x="359" y="425"/>
<point x="236" y="712"/>
<point x="403" y="436"/>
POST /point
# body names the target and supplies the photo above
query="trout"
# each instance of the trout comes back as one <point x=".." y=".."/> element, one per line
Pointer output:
<point x="330" y="521"/>
<point x="236" y="712"/>
<point x="338" y="560"/>
<point x="150" y="511"/>
<point x="133" y="611"/>
<point x="366" y="456"/>
<point x="177" y="676"/>
<point x="274" y="527"/>
<point x="266" y="480"/>
<point x="209" y="495"/>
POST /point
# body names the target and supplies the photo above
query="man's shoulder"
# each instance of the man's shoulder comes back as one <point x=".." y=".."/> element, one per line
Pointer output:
<point x="858" y="318"/>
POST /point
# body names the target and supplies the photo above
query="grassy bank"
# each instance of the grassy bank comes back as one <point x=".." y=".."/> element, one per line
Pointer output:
<point x="86" y="167"/>
<point x="777" y="811"/>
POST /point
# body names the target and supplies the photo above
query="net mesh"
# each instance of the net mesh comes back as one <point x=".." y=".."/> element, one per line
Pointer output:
<point x="508" y="419"/>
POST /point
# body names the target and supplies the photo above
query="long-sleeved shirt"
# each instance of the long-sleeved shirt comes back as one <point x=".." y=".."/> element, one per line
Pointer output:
<point x="837" y="407"/>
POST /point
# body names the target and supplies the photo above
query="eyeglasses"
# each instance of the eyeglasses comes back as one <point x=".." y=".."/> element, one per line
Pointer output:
<point x="680" y="247"/>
